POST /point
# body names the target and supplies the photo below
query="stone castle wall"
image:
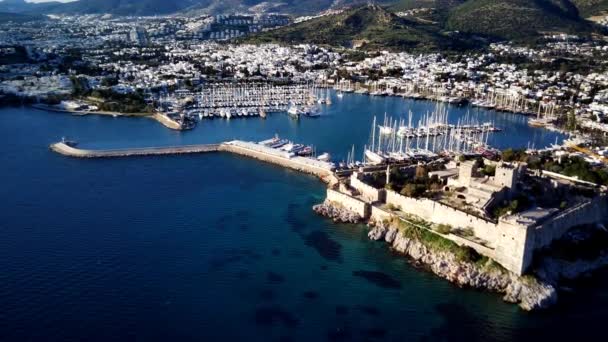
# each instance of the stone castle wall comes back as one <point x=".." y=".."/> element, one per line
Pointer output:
<point x="511" y="244"/>
<point x="439" y="213"/>
<point x="593" y="211"/>
<point x="368" y="192"/>
<point x="350" y="203"/>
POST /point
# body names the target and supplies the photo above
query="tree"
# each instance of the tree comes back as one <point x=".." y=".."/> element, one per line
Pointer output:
<point x="571" y="122"/>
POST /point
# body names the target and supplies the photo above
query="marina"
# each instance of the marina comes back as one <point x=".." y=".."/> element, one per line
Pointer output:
<point x="246" y="100"/>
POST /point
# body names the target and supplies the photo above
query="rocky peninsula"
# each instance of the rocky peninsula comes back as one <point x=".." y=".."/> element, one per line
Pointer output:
<point x="533" y="291"/>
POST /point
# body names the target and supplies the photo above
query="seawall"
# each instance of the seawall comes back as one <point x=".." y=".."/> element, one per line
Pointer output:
<point x="66" y="150"/>
<point x="167" y="122"/>
<point x="321" y="169"/>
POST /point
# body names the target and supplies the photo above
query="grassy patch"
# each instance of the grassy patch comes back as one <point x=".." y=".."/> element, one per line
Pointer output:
<point x="421" y="233"/>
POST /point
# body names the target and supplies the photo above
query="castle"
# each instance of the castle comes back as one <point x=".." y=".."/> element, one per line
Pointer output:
<point x="510" y="240"/>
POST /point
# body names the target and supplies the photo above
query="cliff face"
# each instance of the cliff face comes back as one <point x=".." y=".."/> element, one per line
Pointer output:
<point x="529" y="293"/>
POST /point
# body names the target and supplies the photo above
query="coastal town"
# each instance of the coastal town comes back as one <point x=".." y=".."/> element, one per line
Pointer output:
<point x="435" y="189"/>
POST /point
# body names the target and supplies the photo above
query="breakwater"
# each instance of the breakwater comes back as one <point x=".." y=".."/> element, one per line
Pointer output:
<point x="70" y="151"/>
<point x="321" y="169"/>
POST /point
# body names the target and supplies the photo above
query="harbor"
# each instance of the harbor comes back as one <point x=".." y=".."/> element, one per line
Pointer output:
<point x="247" y="100"/>
<point x="255" y="215"/>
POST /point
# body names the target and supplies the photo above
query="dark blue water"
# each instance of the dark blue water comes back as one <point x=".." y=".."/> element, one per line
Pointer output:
<point x="217" y="247"/>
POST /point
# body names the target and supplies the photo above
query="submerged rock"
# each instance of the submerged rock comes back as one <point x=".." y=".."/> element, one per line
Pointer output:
<point x="338" y="214"/>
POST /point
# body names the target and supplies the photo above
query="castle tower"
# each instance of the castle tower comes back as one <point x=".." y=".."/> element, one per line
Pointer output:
<point x="467" y="171"/>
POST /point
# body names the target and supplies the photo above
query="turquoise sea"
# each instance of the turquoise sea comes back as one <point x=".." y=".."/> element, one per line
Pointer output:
<point x="218" y="247"/>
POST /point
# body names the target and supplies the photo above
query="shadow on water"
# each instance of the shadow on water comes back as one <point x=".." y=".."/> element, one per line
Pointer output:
<point x="342" y="310"/>
<point x="274" y="278"/>
<point x="267" y="294"/>
<point x="328" y="248"/>
<point x="310" y="294"/>
<point x="340" y="334"/>
<point x="223" y="259"/>
<point x="272" y="315"/>
<point x="378" y="278"/>
<point x="293" y="220"/>
<point x="458" y="325"/>
<point x="369" y="310"/>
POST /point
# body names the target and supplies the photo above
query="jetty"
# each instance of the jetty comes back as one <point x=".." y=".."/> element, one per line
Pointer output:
<point x="65" y="149"/>
<point x="322" y="169"/>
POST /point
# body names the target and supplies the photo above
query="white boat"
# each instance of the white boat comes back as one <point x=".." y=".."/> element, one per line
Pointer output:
<point x="373" y="157"/>
<point x="387" y="130"/>
<point x="293" y="111"/>
<point x="324" y="157"/>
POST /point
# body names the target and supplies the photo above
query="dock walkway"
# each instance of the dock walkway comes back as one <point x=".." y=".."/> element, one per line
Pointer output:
<point x="67" y="150"/>
<point x="249" y="149"/>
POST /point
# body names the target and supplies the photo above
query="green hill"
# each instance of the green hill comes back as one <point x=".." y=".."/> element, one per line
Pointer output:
<point x="370" y="26"/>
<point x="19" y="18"/>
<point x="516" y="18"/>
<point x="588" y="8"/>
<point x="403" y="5"/>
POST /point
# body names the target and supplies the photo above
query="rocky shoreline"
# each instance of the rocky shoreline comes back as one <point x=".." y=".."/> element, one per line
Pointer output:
<point x="531" y="292"/>
<point x="337" y="214"/>
<point x="528" y="292"/>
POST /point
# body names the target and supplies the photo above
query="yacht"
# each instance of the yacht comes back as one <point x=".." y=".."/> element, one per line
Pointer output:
<point x="324" y="157"/>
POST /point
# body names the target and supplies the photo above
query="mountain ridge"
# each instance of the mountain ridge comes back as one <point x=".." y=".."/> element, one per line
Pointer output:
<point x="368" y="26"/>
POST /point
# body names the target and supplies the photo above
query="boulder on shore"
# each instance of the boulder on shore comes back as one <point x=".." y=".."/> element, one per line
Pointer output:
<point x="336" y="213"/>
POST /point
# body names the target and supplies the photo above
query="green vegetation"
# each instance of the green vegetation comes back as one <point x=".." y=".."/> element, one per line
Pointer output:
<point x="443" y="229"/>
<point x="420" y="186"/>
<point x="514" y="19"/>
<point x="569" y="166"/>
<point x="588" y="8"/>
<point x="576" y="167"/>
<point x="121" y="103"/>
<point x="489" y="170"/>
<point x="370" y="27"/>
<point x="514" y="155"/>
<point x="513" y="206"/>
<point x="432" y="241"/>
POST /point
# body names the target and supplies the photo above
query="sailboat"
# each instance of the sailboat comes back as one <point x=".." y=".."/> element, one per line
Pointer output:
<point x="370" y="154"/>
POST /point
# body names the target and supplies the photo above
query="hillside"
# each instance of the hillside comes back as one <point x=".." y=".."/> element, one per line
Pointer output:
<point x="516" y="18"/>
<point x="404" y="5"/>
<point x="18" y="18"/>
<point x="588" y="8"/>
<point x="370" y="25"/>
